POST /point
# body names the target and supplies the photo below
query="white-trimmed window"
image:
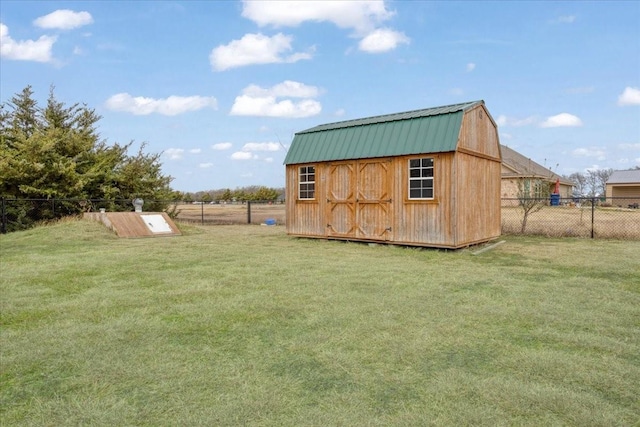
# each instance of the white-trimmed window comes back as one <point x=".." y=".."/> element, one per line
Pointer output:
<point x="421" y="178"/>
<point x="307" y="183"/>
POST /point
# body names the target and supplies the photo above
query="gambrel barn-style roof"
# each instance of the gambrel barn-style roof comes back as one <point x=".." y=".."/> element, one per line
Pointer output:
<point x="430" y="130"/>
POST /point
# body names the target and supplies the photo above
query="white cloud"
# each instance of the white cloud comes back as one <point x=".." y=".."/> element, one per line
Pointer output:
<point x="634" y="146"/>
<point x="470" y="67"/>
<point x="64" y="19"/>
<point x="170" y="106"/>
<point x="261" y="146"/>
<point x="503" y="120"/>
<point x="566" y="19"/>
<point x="26" y="50"/>
<point x="255" y="49"/>
<point x="195" y="151"/>
<point x="630" y="96"/>
<point x="243" y="155"/>
<point x="382" y="40"/>
<point x="263" y="102"/>
<point x="288" y="88"/>
<point x="269" y="107"/>
<point x="174" y="153"/>
<point x="561" y="120"/>
<point x="593" y="168"/>
<point x="205" y="165"/>
<point x="248" y="151"/>
<point x="598" y="152"/>
<point x="221" y="146"/>
<point x="362" y="16"/>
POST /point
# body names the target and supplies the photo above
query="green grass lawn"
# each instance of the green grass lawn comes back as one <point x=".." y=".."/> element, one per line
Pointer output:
<point x="243" y="325"/>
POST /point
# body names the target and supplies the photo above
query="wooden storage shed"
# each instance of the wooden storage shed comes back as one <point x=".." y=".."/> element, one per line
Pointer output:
<point x="426" y="178"/>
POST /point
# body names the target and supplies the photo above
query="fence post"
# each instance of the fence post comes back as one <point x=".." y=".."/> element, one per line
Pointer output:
<point x="53" y="207"/>
<point x="202" y="213"/>
<point x="3" y="228"/>
<point x="248" y="211"/>
<point x="593" y="214"/>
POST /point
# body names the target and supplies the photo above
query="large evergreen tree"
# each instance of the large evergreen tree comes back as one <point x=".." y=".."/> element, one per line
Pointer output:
<point x="55" y="152"/>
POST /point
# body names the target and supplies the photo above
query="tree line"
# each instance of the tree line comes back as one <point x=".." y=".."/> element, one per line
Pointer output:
<point x="55" y="152"/>
<point x="244" y="194"/>
<point x="593" y="183"/>
<point x="590" y="184"/>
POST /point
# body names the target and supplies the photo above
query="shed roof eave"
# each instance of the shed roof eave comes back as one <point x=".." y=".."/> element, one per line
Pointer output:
<point x="344" y="159"/>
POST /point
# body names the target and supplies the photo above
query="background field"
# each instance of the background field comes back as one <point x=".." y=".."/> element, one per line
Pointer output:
<point x="554" y="221"/>
<point x="231" y="213"/>
<point x="573" y="221"/>
<point x="243" y="325"/>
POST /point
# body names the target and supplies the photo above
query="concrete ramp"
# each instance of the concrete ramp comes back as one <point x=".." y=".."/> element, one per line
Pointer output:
<point x="136" y="224"/>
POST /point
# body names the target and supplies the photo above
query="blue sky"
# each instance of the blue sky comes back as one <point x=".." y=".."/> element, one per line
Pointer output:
<point x="220" y="87"/>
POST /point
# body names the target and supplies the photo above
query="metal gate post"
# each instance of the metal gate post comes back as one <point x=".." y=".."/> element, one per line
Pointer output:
<point x="593" y="214"/>
<point x="3" y="227"/>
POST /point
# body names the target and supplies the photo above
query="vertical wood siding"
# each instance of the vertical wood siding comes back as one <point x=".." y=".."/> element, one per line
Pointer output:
<point x="368" y="199"/>
<point x="304" y="218"/>
<point x="423" y="222"/>
<point x="478" y="199"/>
<point x="479" y="133"/>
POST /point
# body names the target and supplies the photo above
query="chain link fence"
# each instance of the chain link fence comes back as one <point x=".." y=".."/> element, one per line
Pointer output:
<point x="220" y="213"/>
<point x="607" y="218"/>
<point x="21" y="214"/>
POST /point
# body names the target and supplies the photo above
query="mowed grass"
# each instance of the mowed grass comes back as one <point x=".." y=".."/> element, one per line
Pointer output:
<point x="243" y="325"/>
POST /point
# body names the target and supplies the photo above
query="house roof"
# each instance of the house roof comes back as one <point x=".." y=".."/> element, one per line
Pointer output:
<point x="625" y="177"/>
<point x="431" y="130"/>
<point x="522" y="166"/>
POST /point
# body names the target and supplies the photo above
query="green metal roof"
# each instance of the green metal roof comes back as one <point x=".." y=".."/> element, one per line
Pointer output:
<point x="432" y="130"/>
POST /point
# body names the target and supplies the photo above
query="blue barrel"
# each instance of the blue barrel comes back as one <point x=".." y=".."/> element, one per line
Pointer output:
<point x="555" y="199"/>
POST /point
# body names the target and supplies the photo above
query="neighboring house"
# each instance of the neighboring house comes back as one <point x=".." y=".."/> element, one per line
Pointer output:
<point x="518" y="172"/>
<point x="623" y="188"/>
<point x="427" y="178"/>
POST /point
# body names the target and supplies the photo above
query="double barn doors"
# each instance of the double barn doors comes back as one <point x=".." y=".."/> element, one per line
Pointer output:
<point x="359" y="199"/>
